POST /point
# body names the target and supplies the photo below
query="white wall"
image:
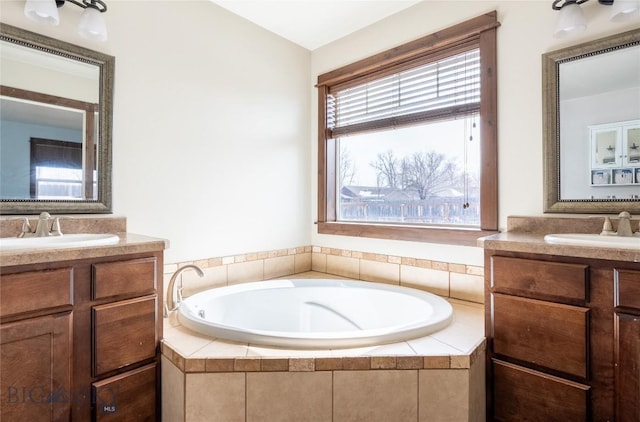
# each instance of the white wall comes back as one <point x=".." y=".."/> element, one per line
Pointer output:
<point x="211" y="126"/>
<point x="524" y="35"/>
<point x="215" y="127"/>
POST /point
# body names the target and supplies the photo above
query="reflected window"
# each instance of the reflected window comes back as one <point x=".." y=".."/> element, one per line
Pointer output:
<point x="58" y="183"/>
<point x="57" y="170"/>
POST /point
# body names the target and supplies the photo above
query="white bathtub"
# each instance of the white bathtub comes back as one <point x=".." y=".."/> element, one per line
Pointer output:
<point x="315" y="314"/>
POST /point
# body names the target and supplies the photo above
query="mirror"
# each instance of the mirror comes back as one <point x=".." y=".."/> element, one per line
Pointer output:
<point x="591" y="126"/>
<point x="55" y="125"/>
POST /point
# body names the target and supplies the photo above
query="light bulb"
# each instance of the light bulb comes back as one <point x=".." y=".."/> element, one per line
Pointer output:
<point x="44" y="11"/>
<point x="92" y="24"/>
<point x="570" y="20"/>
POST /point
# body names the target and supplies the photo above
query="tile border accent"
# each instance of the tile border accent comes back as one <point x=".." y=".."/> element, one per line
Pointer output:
<point x="367" y="256"/>
<point x="315" y="364"/>
<point x="448" y="279"/>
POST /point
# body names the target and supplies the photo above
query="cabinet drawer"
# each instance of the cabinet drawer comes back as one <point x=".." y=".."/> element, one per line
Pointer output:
<point x="543" y="333"/>
<point x="540" y="279"/>
<point x="627" y="289"/>
<point x="127" y="397"/>
<point x="539" y="396"/>
<point x="35" y="290"/>
<point x="124" y="333"/>
<point x="124" y="277"/>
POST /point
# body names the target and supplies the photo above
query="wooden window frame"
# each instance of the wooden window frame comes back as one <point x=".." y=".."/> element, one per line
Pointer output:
<point x="480" y="31"/>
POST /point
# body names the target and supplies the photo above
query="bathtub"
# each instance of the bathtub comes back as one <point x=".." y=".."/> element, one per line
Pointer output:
<point x="315" y="313"/>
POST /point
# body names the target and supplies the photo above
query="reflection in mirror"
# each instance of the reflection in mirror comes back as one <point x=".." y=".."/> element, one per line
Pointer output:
<point x="591" y="115"/>
<point x="55" y="125"/>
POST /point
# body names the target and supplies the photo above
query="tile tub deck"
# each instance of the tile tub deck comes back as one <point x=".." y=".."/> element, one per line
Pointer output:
<point x="437" y="377"/>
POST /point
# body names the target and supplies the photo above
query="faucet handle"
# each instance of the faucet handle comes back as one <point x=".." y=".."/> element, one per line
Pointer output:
<point x="607" y="227"/>
<point x="26" y="227"/>
<point x="55" y="227"/>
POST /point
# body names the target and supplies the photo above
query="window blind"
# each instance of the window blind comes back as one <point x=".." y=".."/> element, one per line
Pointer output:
<point x="437" y="89"/>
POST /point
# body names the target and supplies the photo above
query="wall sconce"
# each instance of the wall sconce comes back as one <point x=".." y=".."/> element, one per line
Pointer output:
<point x="571" y="18"/>
<point x="91" y="25"/>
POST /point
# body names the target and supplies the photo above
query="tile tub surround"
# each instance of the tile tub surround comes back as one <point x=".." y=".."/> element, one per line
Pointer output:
<point x="452" y="280"/>
<point x="438" y="377"/>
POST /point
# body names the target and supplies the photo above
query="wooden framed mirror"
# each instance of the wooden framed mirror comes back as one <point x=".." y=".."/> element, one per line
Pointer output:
<point x="591" y="126"/>
<point x="56" y="112"/>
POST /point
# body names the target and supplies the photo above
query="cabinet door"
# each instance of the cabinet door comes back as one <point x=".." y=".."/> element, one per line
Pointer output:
<point x="631" y="144"/>
<point x="130" y="396"/>
<point x="124" y="333"/>
<point x="627" y="355"/>
<point x="528" y="395"/>
<point x="35" y="363"/>
<point x="542" y="333"/>
<point x="606" y="145"/>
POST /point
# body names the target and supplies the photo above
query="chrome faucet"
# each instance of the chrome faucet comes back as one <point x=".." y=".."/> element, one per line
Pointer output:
<point x="42" y="227"/>
<point x="173" y="304"/>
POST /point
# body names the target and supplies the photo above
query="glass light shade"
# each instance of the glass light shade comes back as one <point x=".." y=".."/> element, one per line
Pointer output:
<point x="571" y="20"/>
<point x="622" y="10"/>
<point x="44" y="11"/>
<point x="92" y="25"/>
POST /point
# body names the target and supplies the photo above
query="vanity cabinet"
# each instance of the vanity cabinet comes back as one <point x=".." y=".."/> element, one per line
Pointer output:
<point x="80" y="339"/>
<point x="563" y="337"/>
<point x="35" y="345"/>
<point x="627" y="345"/>
<point x="615" y="153"/>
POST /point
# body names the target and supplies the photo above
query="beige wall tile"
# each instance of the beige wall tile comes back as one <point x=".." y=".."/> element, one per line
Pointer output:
<point x="318" y="261"/>
<point x="443" y="395"/>
<point x="434" y="281"/>
<point x="344" y="266"/>
<point x="289" y="396"/>
<point x="245" y="271"/>
<point x="380" y="395"/>
<point x="302" y="262"/>
<point x="279" y="266"/>
<point x="477" y="391"/>
<point x="215" y="397"/>
<point x="172" y="392"/>
<point x="184" y="341"/>
<point x="467" y="287"/>
<point x="192" y="283"/>
<point x="464" y="337"/>
<point x="379" y="271"/>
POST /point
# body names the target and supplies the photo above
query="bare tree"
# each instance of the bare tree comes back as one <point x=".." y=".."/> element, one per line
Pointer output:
<point x="347" y="166"/>
<point x="388" y="167"/>
<point x="428" y="172"/>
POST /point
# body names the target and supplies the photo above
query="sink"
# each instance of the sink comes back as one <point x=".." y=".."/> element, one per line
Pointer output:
<point x="594" y="240"/>
<point x="58" y="242"/>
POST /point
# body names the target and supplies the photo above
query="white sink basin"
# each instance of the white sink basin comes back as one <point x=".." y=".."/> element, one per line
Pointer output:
<point x="594" y="240"/>
<point x="58" y="242"/>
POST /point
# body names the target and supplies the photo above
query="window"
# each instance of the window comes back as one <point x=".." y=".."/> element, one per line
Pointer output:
<point x="57" y="171"/>
<point x="407" y="140"/>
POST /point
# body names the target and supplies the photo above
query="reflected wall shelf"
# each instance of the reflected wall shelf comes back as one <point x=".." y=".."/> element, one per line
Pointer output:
<point x="615" y="154"/>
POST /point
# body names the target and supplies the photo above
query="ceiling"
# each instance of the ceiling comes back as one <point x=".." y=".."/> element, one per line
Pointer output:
<point x="314" y="23"/>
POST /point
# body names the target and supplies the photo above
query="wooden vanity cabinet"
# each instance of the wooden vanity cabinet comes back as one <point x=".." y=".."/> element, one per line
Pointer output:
<point x="627" y="345"/>
<point x="35" y="345"/>
<point x="563" y="337"/>
<point x="85" y="333"/>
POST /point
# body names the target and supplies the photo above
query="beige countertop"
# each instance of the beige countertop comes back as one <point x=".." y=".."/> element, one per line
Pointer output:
<point x="129" y="243"/>
<point x="534" y="243"/>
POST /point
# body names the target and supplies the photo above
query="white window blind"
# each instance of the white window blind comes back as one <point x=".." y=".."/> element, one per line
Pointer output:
<point x="442" y="88"/>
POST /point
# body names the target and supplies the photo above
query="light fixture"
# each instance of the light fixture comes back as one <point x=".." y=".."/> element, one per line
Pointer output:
<point x="571" y="17"/>
<point x="91" y="26"/>
<point x="622" y="10"/>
